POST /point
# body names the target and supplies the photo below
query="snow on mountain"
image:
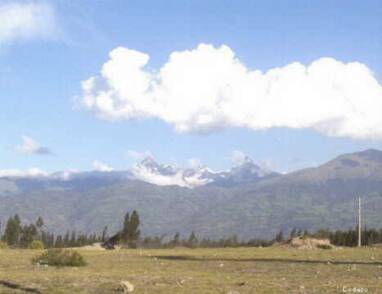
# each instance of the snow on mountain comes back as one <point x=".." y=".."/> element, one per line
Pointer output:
<point x="149" y="170"/>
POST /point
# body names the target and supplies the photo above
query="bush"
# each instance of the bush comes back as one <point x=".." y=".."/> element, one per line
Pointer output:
<point x="60" y="257"/>
<point x="3" y="245"/>
<point x="36" y="245"/>
<point x="324" y="246"/>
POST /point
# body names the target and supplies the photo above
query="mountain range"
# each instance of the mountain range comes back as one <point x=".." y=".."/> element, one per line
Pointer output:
<point x="246" y="200"/>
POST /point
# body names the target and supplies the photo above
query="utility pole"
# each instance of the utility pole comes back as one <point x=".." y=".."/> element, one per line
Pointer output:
<point x="359" y="222"/>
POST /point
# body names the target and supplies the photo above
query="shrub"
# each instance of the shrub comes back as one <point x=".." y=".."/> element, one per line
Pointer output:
<point x="36" y="245"/>
<point x="60" y="257"/>
<point x="324" y="246"/>
<point x="3" y="245"/>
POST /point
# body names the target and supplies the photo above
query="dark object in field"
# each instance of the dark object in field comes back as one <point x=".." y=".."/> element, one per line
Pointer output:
<point x="270" y="260"/>
<point x="60" y="257"/>
<point x="19" y="287"/>
<point x="112" y="241"/>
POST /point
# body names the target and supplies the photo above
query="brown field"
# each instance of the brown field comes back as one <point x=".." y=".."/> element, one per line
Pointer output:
<point x="233" y="270"/>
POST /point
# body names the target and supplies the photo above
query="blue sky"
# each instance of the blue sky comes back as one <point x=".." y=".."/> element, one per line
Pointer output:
<point x="41" y="73"/>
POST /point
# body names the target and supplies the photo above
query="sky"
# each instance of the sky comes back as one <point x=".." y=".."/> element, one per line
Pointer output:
<point x="100" y="84"/>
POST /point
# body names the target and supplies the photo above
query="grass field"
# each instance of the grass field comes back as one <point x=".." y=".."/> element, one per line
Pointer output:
<point x="234" y="270"/>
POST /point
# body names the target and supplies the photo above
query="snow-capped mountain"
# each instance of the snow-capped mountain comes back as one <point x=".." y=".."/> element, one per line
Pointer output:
<point x="164" y="175"/>
<point x="244" y="172"/>
<point x="148" y="170"/>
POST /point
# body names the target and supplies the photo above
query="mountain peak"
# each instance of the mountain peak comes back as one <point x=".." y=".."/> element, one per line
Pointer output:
<point x="148" y="160"/>
<point x="247" y="160"/>
<point x="363" y="158"/>
<point x="371" y="154"/>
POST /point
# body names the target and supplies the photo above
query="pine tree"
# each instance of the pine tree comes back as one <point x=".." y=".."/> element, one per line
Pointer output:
<point x="39" y="225"/>
<point x="176" y="241"/>
<point x="28" y="234"/>
<point x="39" y="222"/>
<point x="12" y="231"/>
<point x="280" y="236"/>
<point x="73" y="240"/>
<point x="293" y="233"/>
<point x="59" y="242"/>
<point x="104" y="234"/>
<point x="133" y="232"/>
<point x="125" y="229"/>
<point x="192" y="240"/>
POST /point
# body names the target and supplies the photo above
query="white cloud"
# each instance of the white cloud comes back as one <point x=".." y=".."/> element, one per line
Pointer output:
<point x="31" y="146"/>
<point x="103" y="167"/>
<point x="37" y="173"/>
<point x="15" y="173"/>
<point x="25" y="20"/>
<point x="208" y="88"/>
<point x="195" y="163"/>
<point x="238" y="157"/>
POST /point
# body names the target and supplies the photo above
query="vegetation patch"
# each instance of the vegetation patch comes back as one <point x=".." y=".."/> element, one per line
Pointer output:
<point x="36" y="245"/>
<point x="3" y="245"/>
<point x="60" y="257"/>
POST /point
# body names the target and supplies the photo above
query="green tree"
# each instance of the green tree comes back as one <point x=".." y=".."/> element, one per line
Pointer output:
<point x="28" y="234"/>
<point x="59" y="242"/>
<point x="133" y="232"/>
<point x="73" y="239"/>
<point x="104" y="234"/>
<point x="192" y="240"/>
<point x="12" y="231"/>
<point x="280" y="236"/>
<point x="39" y="223"/>
<point x="125" y="229"/>
<point x="176" y="241"/>
<point x="293" y="233"/>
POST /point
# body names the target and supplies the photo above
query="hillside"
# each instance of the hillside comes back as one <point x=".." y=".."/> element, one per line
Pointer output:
<point x="309" y="199"/>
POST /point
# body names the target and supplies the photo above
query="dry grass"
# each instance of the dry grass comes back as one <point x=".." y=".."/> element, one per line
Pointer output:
<point x="245" y="270"/>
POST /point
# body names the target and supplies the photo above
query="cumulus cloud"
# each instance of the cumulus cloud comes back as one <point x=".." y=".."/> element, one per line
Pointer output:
<point x="25" y="20"/>
<point x="209" y="88"/>
<point x="103" y="167"/>
<point x="31" y="146"/>
<point x="238" y="157"/>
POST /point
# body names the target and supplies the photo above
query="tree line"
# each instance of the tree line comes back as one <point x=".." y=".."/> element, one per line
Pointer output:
<point x="20" y="235"/>
<point x="347" y="238"/>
